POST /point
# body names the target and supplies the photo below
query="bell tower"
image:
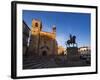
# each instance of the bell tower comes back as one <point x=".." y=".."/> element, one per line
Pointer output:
<point x="35" y="36"/>
<point x="54" y="30"/>
<point x="36" y="26"/>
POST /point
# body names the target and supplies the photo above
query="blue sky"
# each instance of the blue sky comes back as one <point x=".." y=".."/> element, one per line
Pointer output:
<point x="66" y="23"/>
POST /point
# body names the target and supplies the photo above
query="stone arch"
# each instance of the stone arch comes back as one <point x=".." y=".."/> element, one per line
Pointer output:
<point x="44" y="51"/>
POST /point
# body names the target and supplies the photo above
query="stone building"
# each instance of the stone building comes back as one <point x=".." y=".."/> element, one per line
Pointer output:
<point x="84" y="50"/>
<point x="26" y="31"/>
<point x="61" y="50"/>
<point x="42" y="43"/>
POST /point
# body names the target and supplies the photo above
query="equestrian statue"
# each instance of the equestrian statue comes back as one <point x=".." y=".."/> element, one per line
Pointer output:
<point x="71" y="41"/>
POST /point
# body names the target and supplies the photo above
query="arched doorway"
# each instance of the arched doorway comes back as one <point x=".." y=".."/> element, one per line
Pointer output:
<point x="44" y="53"/>
<point x="44" y="50"/>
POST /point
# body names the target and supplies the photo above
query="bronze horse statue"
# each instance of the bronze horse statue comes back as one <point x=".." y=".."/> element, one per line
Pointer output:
<point x="72" y="40"/>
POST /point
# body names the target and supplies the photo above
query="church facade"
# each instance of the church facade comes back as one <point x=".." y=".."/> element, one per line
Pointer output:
<point x="42" y="43"/>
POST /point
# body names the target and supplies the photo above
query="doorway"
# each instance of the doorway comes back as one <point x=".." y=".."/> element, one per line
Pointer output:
<point x="44" y="53"/>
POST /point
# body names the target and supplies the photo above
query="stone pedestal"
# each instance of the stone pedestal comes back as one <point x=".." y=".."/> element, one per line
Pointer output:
<point x="72" y="54"/>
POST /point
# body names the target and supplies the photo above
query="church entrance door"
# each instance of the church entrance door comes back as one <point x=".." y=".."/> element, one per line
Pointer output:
<point x="44" y="53"/>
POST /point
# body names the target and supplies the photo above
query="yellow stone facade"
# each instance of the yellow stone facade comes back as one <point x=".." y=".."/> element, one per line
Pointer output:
<point x="42" y="43"/>
<point x="61" y="50"/>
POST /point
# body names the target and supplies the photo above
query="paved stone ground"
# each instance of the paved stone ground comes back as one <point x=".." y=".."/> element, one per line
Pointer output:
<point x="51" y="62"/>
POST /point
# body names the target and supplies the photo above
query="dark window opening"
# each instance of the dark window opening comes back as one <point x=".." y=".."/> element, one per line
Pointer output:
<point x="36" y="24"/>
